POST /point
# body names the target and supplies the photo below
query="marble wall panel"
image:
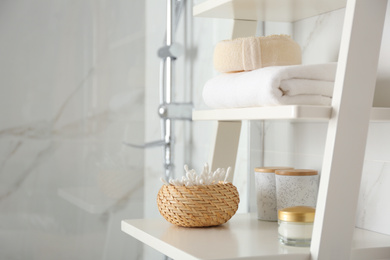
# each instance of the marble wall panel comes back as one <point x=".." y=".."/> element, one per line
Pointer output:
<point x="71" y="90"/>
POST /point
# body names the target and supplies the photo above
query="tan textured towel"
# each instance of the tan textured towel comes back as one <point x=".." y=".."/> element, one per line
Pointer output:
<point x="245" y="54"/>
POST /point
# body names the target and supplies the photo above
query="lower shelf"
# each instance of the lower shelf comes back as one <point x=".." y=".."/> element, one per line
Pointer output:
<point x="243" y="237"/>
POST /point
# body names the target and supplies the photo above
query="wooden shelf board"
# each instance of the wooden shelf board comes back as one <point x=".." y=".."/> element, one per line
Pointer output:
<point x="266" y="10"/>
<point x="242" y="237"/>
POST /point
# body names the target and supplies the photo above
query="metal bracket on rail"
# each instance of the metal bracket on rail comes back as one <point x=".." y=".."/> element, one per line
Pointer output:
<point x="170" y="51"/>
<point x="176" y="111"/>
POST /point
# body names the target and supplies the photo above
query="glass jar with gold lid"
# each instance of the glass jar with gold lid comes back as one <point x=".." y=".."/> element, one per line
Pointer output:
<point x="296" y="225"/>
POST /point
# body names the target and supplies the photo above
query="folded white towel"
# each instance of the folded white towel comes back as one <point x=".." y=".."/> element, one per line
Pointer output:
<point x="277" y="85"/>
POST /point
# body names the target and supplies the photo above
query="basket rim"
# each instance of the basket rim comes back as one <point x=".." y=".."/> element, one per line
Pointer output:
<point x="198" y="186"/>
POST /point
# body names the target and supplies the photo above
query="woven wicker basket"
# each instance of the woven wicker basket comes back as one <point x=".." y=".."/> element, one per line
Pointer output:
<point x="198" y="206"/>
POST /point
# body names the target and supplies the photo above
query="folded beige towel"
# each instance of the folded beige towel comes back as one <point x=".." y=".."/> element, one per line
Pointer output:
<point x="245" y="54"/>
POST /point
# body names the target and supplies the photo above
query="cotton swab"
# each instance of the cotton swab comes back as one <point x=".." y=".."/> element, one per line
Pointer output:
<point x="206" y="177"/>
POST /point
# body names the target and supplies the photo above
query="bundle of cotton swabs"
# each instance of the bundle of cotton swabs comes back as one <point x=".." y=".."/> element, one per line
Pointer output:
<point x="207" y="177"/>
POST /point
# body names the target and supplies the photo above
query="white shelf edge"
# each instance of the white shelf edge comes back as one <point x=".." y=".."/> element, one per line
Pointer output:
<point x="249" y="235"/>
<point x="291" y="112"/>
<point x="153" y="241"/>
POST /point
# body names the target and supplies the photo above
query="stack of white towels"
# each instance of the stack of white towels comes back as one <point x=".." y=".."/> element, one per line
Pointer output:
<point x="270" y="86"/>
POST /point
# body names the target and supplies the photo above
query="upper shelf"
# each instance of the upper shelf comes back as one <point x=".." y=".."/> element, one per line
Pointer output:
<point x="264" y="113"/>
<point x="291" y="112"/>
<point x="242" y="237"/>
<point x="266" y="10"/>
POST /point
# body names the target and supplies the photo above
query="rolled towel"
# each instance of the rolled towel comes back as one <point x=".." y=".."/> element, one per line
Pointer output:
<point x="250" y="53"/>
<point x="277" y="85"/>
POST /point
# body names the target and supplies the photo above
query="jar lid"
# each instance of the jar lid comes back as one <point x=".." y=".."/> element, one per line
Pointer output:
<point x="296" y="172"/>
<point x="297" y="214"/>
<point x="271" y="169"/>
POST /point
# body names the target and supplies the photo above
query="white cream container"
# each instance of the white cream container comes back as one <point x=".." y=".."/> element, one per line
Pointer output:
<point x="295" y="225"/>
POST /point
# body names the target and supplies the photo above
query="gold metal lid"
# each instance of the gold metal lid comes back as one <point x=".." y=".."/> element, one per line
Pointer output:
<point x="271" y="169"/>
<point x="297" y="214"/>
<point x="296" y="172"/>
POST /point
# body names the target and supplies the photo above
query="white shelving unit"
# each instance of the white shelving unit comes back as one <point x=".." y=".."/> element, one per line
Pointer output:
<point x="334" y="236"/>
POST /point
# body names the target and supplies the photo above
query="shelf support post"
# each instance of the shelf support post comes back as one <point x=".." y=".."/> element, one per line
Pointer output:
<point x="347" y="130"/>
<point x="224" y="151"/>
<point x="225" y="147"/>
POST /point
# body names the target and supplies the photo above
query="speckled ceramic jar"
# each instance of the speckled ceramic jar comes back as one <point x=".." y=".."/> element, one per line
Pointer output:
<point x="266" y="192"/>
<point x="298" y="187"/>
